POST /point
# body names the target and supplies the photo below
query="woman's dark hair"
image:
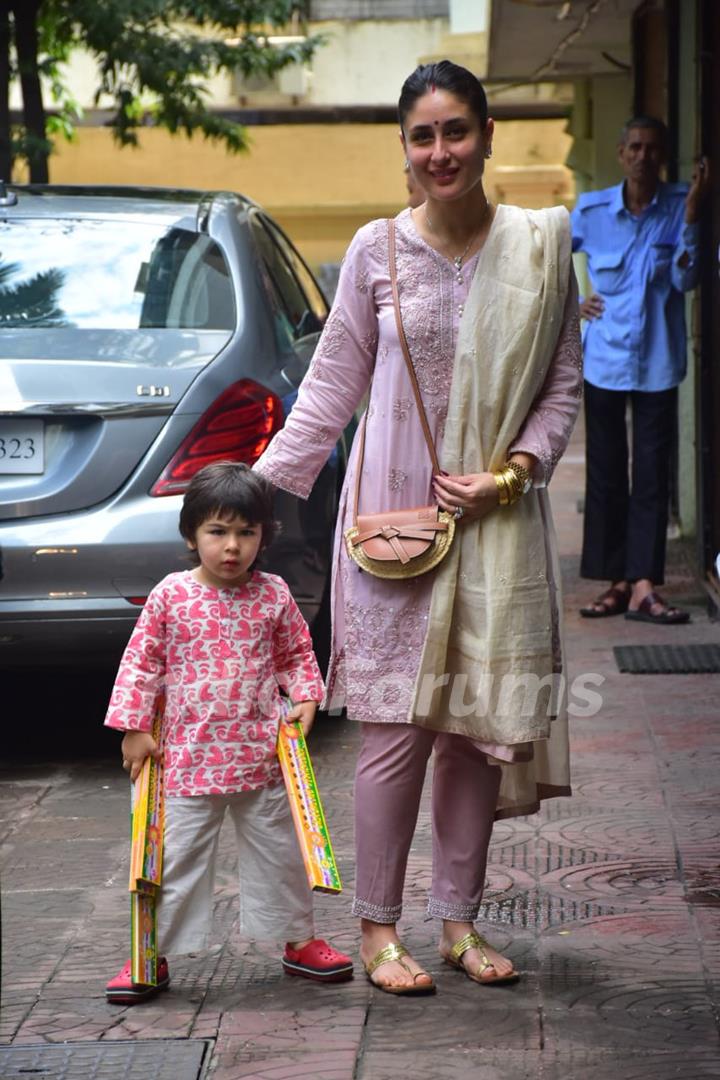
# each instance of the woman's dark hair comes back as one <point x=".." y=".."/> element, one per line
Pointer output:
<point x="443" y="76"/>
<point x="228" y="489"/>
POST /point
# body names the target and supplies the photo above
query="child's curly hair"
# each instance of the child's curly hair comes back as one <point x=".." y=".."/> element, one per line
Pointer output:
<point x="228" y="489"/>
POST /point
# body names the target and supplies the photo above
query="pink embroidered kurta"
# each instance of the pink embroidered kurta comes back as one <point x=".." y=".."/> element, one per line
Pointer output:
<point x="379" y="626"/>
<point x="221" y="656"/>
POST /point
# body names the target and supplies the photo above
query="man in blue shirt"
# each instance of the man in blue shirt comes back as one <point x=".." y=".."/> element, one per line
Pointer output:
<point x="641" y="241"/>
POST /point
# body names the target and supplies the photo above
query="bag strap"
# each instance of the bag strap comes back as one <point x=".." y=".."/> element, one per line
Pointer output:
<point x="406" y="351"/>
<point x="411" y="372"/>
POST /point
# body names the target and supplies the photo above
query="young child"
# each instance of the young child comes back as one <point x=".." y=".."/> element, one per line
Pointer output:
<point x="221" y="640"/>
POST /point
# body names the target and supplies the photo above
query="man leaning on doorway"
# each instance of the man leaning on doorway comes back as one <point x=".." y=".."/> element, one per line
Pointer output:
<point x="641" y="241"/>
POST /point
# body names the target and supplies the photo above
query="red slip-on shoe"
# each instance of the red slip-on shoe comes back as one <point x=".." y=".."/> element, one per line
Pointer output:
<point x="123" y="991"/>
<point x="319" y="961"/>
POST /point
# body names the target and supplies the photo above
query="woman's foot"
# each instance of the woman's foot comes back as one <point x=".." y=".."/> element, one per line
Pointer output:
<point x="479" y="960"/>
<point x="395" y="976"/>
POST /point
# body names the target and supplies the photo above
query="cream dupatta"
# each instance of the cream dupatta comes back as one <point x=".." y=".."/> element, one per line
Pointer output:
<point x="493" y="604"/>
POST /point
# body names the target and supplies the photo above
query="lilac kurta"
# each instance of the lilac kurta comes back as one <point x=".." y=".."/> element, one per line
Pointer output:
<point x="379" y="626"/>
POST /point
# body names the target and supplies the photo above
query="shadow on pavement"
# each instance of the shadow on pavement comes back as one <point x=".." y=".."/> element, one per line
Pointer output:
<point x="56" y="715"/>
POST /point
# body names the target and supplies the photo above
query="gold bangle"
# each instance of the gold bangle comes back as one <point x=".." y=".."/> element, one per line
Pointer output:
<point x="513" y="484"/>
<point x="513" y="480"/>
<point x="505" y="480"/>
<point x="502" y="488"/>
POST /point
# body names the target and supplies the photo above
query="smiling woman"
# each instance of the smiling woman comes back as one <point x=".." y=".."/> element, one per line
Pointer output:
<point x="447" y="136"/>
<point x="488" y="306"/>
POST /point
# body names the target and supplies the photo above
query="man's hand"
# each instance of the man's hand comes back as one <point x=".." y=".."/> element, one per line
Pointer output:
<point x="136" y="746"/>
<point x="304" y="711"/>
<point x="592" y="307"/>
<point x="699" y="187"/>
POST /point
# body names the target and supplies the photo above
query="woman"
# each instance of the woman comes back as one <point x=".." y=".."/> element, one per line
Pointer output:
<point x="489" y="309"/>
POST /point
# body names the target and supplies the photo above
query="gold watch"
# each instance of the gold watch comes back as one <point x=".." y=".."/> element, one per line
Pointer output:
<point x="522" y="474"/>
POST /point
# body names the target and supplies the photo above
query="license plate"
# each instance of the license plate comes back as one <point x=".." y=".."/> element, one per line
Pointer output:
<point x="21" y="446"/>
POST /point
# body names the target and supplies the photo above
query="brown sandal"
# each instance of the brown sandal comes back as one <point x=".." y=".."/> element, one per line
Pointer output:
<point x="668" y="616"/>
<point x="613" y="601"/>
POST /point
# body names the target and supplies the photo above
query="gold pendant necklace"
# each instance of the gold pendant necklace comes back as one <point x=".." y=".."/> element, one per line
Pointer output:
<point x="457" y="260"/>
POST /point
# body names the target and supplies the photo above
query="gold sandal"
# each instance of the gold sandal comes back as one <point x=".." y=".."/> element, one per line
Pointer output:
<point x="396" y="952"/>
<point x="472" y="940"/>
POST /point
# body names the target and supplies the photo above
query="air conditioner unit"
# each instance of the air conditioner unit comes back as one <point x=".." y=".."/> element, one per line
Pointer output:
<point x="294" y="80"/>
<point x="254" y="84"/>
<point x="290" y="81"/>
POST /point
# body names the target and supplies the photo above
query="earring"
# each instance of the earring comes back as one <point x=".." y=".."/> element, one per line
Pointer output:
<point x="488" y="152"/>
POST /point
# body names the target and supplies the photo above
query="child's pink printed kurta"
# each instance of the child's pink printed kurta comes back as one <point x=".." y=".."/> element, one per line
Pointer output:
<point x="220" y="655"/>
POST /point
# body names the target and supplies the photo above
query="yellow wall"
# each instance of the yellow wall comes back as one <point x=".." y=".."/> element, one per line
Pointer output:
<point x="321" y="181"/>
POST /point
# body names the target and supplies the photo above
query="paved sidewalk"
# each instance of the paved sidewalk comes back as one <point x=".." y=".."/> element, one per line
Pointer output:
<point x="609" y="902"/>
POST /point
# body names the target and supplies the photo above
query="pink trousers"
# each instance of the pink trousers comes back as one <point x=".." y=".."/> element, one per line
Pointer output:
<point x="388" y="784"/>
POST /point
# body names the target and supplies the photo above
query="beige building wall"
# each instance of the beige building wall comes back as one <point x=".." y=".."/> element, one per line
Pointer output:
<point x="363" y="62"/>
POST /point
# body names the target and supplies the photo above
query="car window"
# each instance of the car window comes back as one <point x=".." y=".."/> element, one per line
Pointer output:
<point x="107" y="274"/>
<point x="313" y="295"/>
<point x="295" y="316"/>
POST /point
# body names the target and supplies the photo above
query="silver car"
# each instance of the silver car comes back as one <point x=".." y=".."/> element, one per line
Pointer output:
<point x="143" y="333"/>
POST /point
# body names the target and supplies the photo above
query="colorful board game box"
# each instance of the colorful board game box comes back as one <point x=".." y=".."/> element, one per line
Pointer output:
<point x="146" y="864"/>
<point x="310" y="825"/>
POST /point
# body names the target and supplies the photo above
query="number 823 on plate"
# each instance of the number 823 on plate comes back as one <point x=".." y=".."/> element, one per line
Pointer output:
<point x="21" y="446"/>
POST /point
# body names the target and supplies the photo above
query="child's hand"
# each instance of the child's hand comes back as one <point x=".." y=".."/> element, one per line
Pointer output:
<point x="304" y="711"/>
<point x="136" y="746"/>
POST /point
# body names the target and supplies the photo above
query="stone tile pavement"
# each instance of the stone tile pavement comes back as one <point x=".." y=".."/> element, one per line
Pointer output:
<point x="609" y="902"/>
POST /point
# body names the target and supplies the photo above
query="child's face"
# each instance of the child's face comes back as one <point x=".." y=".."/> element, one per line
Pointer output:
<point x="227" y="548"/>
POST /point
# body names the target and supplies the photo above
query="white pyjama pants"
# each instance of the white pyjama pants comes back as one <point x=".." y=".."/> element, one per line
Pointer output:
<point x="275" y="898"/>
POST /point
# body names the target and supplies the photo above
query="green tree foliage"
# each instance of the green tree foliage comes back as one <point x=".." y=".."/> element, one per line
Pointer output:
<point x="154" y="59"/>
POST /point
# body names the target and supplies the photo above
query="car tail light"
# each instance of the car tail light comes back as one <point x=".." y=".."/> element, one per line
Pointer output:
<point x="138" y="601"/>
<point x="237" y="427"/>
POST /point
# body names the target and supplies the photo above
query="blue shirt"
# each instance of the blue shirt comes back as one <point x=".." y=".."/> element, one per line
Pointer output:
<point x="639" y="341"/>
